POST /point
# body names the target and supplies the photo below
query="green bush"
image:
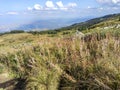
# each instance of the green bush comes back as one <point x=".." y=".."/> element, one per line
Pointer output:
<point x="65" y="33"/>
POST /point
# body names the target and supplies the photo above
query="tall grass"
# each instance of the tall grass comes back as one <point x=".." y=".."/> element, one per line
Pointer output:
<point x="67" y="64"/>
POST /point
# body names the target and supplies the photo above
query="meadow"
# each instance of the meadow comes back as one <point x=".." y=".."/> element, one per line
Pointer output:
<point x="61" y="61"/>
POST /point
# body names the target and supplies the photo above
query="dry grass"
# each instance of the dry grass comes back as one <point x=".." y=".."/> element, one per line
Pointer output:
<point x="55" y="63"/>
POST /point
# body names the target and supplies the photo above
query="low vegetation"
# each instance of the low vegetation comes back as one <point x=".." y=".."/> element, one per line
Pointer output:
<point x="62" y="59"/>
<point x="62" y="63"/>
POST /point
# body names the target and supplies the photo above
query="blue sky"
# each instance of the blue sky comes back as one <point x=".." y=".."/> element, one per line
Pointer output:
<point x="17" y="12"/>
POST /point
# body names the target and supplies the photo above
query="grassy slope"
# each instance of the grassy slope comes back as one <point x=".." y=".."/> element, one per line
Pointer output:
<point x="62" y="61"/>
<point x="52" y="63"/>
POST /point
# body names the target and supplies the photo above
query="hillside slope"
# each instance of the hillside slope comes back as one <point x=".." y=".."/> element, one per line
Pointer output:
<point x="41" y="62"/>
<point x="57" y="61"/>
<point x="94" y="23"/>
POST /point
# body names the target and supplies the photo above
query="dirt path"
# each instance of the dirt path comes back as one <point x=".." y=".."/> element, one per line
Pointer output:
<point x="6" y="82"/>
<point x="4" y="77"/>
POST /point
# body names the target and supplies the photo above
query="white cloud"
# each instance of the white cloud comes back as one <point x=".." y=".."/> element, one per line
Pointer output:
<point x="60" y="4"/>
<point x="101" y="8"/>
<point x="29" y="8"/>
<point x="37" y="7"/>
<point x="72" y="5"/>
<point x="12" y="13"/>
<point x="104" y="1"/>
<point x="89" y="7"/>
<point x="64" y="8"/>
<point x="116" y="2"/>
<point x="49" y="4"/>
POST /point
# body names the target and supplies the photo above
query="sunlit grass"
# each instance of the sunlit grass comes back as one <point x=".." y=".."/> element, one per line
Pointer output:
<point x="64" y="63"/>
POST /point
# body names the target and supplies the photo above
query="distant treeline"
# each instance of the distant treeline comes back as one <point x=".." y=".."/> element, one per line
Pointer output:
<point x="13" y="32"/>
<point x="35" y="32"/>
<point x="43" y="32"/>
<point x="32" y="32"/>
<point x="17" y="31"/>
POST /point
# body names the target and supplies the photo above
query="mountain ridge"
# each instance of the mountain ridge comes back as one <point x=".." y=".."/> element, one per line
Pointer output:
<point x="89" y="23"/>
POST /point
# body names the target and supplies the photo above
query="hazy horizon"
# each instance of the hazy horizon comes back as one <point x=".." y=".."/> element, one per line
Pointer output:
<point x="16" y="13"/>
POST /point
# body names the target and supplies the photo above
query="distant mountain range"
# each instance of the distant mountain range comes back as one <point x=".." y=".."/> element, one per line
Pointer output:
<point x="67" y="24"/>
<point x="50" y="24"/>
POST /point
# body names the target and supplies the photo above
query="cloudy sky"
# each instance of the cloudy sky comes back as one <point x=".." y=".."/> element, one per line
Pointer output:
<point x="16" y="12"/>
